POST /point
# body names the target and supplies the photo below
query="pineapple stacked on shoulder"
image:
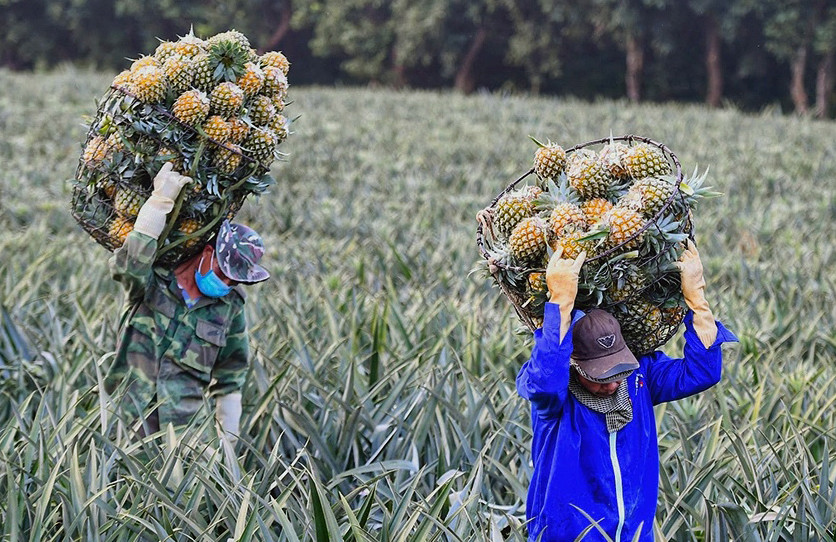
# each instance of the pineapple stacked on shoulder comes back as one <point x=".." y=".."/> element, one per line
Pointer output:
<point x="623" y="206"/>
<point x="215" y="107"/>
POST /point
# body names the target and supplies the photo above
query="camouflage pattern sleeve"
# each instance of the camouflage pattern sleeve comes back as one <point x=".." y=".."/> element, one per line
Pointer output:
<point x="230" y="369"/>
<point x="132" y="264"/>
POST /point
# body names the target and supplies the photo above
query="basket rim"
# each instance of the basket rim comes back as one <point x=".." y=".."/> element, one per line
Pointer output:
<point x="480" y="237"/>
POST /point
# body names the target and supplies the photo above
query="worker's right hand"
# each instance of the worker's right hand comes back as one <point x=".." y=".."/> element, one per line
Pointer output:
<point x="168" y="183"/>
<point x="562" y="277"/>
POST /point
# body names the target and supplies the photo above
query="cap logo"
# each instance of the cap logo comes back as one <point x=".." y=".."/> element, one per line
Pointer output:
<point x="607" y="341"/>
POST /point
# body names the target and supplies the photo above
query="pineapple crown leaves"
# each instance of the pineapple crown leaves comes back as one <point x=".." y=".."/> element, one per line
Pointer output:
<point x="228" y="59"/>
<point x="538" y="143"/>
<point x="693" y="189"/>
<point x="555" y="193"/>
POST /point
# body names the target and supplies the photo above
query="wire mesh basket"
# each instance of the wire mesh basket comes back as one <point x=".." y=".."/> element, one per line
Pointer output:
<point x="632" y="233"/>
<point x="127" y="144"/>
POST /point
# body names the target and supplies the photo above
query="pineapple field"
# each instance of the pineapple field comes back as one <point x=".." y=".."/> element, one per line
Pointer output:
<point x="381" y="402"/>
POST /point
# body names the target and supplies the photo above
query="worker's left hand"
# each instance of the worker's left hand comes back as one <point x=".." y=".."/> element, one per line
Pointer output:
<point x="168" y="183"/>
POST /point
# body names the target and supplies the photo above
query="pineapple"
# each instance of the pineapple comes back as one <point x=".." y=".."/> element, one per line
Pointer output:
<point x="122" y="80"/>
<point x="275" y="59"/>
<point x="165" y="50"/>
<point x="96" y="151"/>
<point x="227" y="158"/>
<point x="279" y="126"/>
<point x="627" y="288"/>
<point x="549" y="161"/>
<point x="226" y="99"/>
<point x="640" y="323"/>
<point x="149" y="84"/>
<point x="127" y="201"/>
<point x="186" y="227"/>
<point x="261" y="110"/>
<point x="275" y="82"/>
<point x="204" y="78"/>
<point x="107" y="186"/>
<point x="566" y="214"/>
<point x="595" y="209"/>
<point x="588" y="176"/>
<point x="238" y="130"/>
<point x="645" y="160"/>
<point x="180" y="72"/>
<point x="168" y="154"/>
<point x="261" y="143"/>
<point x="143" y="62"/>
<point x="612" y="157"/>
<point x="119" y="229"/>
<point x="648" y="195"/>
<point x="229" y="53"/>
<point x="278" y="103"/>
<point x="189" y="46"/>
<point x="527" y="243"/>
<point x="191" y="107"/>
<point x="251" y="80"/>
<point x="217" y="129"/>
<point x="537" y="283"/>
<point x="570" y="243"/>
<point x="624" y="223"/>
<point x="510" y="210"/>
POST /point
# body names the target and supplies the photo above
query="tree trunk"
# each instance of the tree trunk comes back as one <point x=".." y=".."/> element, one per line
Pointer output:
<point x="281" y="30"/>
<point x="799" y="96"/>
<point x="713" y="66"/>
<point x="465" y="81"/>
<point x="635" y="66"/>
<point x="824" y="85"/>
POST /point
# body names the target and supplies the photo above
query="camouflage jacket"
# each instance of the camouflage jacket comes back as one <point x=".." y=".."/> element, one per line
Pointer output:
<point x="168" y="354"/>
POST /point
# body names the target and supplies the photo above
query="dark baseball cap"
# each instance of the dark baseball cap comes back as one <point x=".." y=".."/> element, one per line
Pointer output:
<point x="599" y="352"/>
<point x="239" y="249"/>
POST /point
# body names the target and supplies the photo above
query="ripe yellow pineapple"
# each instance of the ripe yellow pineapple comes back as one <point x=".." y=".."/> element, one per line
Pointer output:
<point x="595" y="209"/>
<point x="191" y="107"/>
<point x="588" y="176"/>
<point x="275" y="59"/>
<point x="571" y="244"/>
<point x="180" y="72"/>
<point x="510" y="210"/>
<point x="144" y="61"/>
<point x="149" y="84"/>
<point x="186" y="227"/>
<point x="537" y="283"/>
<point x="549" y="161"/>
<point x="189" y="46"/>
<point x="566" y="214"/>
<point x="238" y="130"/>
<point x="122" y="80"/>
<point x="165" y="50"/>
<point x="624" y="223"/>
<point x="645" y="160"/>
<point x="251" y="80"/>
<point x="226" y="99"/>
<point x="119" y="229"/>
<point x="95" y="151"/>
<point x="527" y="243"/>
<point x="217" y="129"/>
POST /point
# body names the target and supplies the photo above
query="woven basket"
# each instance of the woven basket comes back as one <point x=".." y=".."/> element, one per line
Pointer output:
<point x="660" y="297"/>
<point x="147" y="136"/>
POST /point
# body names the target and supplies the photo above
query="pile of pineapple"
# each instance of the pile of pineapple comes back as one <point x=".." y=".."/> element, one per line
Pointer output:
<point x="214" y="107"/>
<point x="621" y="200"/>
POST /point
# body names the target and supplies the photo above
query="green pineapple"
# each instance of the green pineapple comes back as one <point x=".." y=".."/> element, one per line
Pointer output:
<point x="648" y="195"/>
<point x="549" y="161"/>
<point x="203" y="73"/>
<point x="261" y="143"/>
<point x="261" y="110"/>
<point x="510" y="210"/>
<point x="275" y="82"/>
<point x="229" y="53"/>
<point x="128" y="201"/>
<point x="640" y="323"/>
<point x="279" y="124"/>
<point x="180" y="72"/>
<point x="588" y="176"/>
<point x="645" y="160"/>
<point x="227" y="158"/>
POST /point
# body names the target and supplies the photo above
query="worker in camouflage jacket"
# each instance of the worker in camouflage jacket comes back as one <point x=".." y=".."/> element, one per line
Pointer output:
<point x="184" y="341"/>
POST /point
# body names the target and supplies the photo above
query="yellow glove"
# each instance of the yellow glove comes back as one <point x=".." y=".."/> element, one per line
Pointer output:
<point x="152" y="216"/>
<point x="562" y="281"/>
<point x="693" y="288"/>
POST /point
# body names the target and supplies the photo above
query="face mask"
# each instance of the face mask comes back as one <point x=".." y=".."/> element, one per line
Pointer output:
<point x="210" y="284"/>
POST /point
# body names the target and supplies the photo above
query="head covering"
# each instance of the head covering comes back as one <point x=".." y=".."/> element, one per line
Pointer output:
<point x="238" y="249"/>
<point x="599" y="352"/>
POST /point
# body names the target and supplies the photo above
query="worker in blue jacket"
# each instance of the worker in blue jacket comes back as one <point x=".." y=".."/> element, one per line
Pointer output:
<point x="595" y="452"/>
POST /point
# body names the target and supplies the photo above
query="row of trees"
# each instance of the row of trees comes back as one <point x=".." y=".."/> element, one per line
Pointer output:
<point x="752" y="52"/>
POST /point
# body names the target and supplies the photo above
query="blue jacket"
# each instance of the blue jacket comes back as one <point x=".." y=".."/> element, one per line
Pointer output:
<point x="578" y="465"/>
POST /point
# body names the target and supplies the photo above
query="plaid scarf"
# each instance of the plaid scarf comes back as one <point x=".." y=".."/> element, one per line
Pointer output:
<point x="617" y="408"/>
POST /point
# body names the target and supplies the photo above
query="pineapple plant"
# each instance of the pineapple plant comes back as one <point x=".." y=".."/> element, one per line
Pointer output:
<point x="209" y="105"/>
